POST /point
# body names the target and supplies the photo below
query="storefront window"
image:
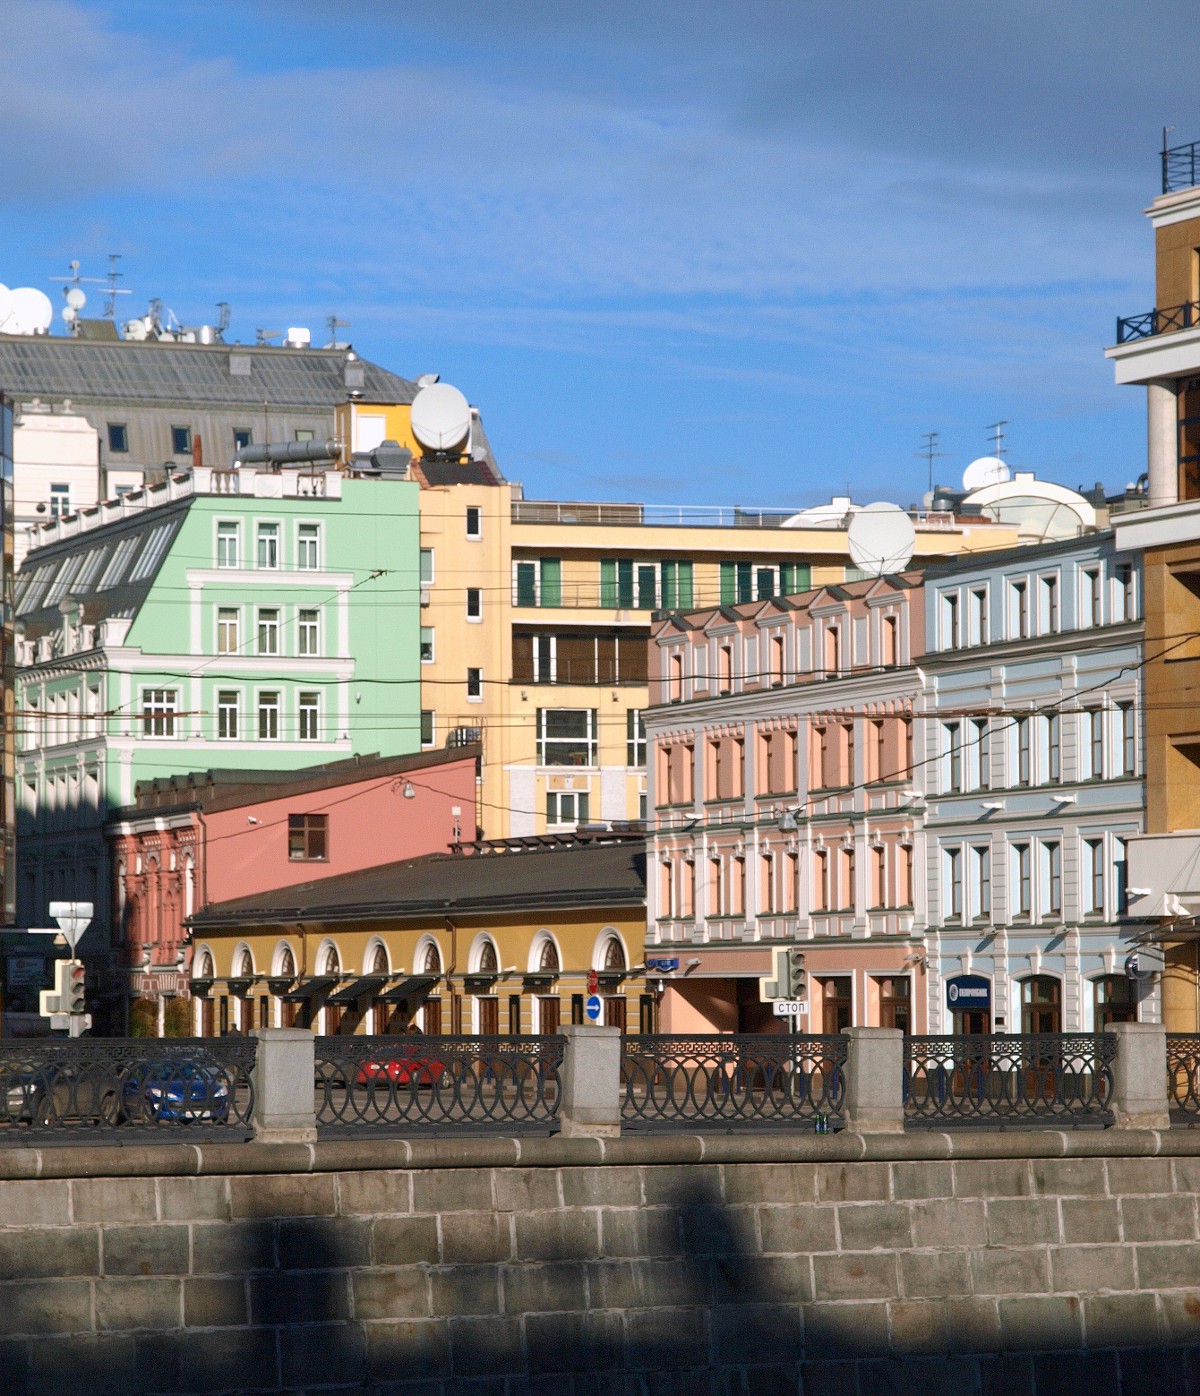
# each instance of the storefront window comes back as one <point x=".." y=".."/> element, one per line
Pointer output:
<point x="1041" y="1004"/>
<point x="1114" y="1001"/>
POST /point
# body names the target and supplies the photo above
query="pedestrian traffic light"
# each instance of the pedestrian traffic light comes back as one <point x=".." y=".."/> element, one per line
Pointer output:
<point x="75" y="990"/>
<point x="797" y="975"/>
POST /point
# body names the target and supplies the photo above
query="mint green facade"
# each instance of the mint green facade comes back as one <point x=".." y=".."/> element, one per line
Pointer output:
<point x="262" y="629"/>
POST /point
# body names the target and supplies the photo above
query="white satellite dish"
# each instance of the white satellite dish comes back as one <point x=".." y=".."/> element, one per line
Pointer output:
<point x="69" y="314"/>
<point x="881" y="539"/>
<point x="441" y="417"/>
<point x="5" y="306"/>
<point x="30" y="311"/>
<point x="427" y="380"/>
<point x="76" y="298"/>
<point x="987" y="470"/>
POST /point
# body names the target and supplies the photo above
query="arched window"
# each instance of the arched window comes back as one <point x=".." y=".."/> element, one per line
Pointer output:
<point x="1041" y="1004"/>
<point x="379" y="962"/>
<point x="332" y="961"/>
<point x="614" y="955"/>
<point x="432" y="963"/>
<point x="204" y="966"/>
<point x="548" y="960"/>
<point x="287" y="963"/>
<point x="488" y="963"/>
<point x="244" y="969"/>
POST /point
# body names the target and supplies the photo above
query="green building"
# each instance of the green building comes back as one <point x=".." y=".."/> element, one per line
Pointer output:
<point x="222" y="619"/>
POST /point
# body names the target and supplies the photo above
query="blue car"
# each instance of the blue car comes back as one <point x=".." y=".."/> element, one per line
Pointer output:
<point x="175" y="1091"/>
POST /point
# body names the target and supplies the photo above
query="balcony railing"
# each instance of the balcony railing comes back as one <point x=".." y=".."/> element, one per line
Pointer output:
<point x="1152" y="322"/>
<point x="1180" y="167"/>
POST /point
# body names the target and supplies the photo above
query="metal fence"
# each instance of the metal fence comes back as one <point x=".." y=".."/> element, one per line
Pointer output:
<point x="1022" y="1081"/>
<point x="732" y="1082"/>
<point x="1183" y="1078"/>
<point x="1158" y="321"/>
<point x="420" y="1085"/>
<point x="93" y="1090"/>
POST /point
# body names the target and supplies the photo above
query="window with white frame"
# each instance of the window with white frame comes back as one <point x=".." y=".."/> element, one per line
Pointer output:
<point x="159" y="709"/>
<point x="981" y="881"/>
<point x="1128" y="735"/>
<point x="427" y="644"/>
<point x="428" y="720"/>
<point x="228" y="544"/>
<point x="1049" y="748"/>
<point x="227" y="715"/>
<point x="1093" y="877"/>
<point x="268" y="630"/>
<point x="60" y="501"/>
<point x="1018" y="610"/>
<point x="1022" y="881"/>
<point x="980" y="753"/>
<point x="308" y="547"/>
<point x="474" y="603"/>
<point x="308" y="626"/>
<point x="474" y="522"/>
<point x="1022" y="764"/>
<point x="229" y="640"/>
<point x="952" y="883"/>
<point x="1123" y="602"/>
<point x="1090" y="599"/>
<point x="426" y="566"/>
<point x="567" y="736"/>
<point x="1050" y="890"/>
<point x="474" y="685"/>
<point x="268" y="546"/>
<point x="268" y="717"/>
<point x="309" y="712"/>
<point x="952" y="756"/>
<point x="566" y="807"/>
<point x="951" y="632"/>
<point x="635" y="738"/>
<point x="979" y="616"/>
<point x="1048" y="605"/>
<point x="1120" y="884"/>
<point x="1093" y="743"/>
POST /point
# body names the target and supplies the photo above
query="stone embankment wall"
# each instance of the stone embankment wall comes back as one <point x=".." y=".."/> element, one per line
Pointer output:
<point x="753" y="1265"/>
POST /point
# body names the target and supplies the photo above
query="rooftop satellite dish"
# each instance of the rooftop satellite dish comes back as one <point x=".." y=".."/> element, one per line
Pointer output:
<point x="881" y="539"/>
<point x="76" y="298"/>
<point x="427" y="380"/>
<point x="69" y="314"/>
<point x="30" y="311"/>
<point x="987" y="470"/>
<point x="441" y="417"/>
<point x="5" y="306"/>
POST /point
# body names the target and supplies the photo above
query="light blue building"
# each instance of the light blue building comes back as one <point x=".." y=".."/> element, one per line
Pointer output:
<point x="1032" y="768"/>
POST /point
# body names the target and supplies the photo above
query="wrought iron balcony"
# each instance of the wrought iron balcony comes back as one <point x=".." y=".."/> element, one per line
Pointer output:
<point x="1180" y="167"/>
<point x="1152" y="322"/>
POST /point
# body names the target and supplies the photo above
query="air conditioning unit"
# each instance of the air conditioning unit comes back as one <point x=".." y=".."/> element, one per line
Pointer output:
<point x="426" y="596"/>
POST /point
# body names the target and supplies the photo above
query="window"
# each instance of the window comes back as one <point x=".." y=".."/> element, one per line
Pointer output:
<point x="268" y="717"/>
<point x="951" y="636"/>
<point x="635" y="738"/>
<point x="1093" y="727"/>
<point x="60" y="501"/>
<point x="268" y="545"/>
<point x="724" y="669"/>
<point x="268" y="631"/>
<point x="475" y="603"/>
<point x="981" y="861"/>
<point x="305" y="434"/>
<point x="1120" y="879"/>
<point x="677" y="585"/>
<point x="952" y="881"/>
<point x="309" y="713"/>
<point x="474" y="521"/>
<point x="1123" y="600"/>
<point x="1115" y="1001"/>
<point x="427" y="644"/>
<point x="878" y="876"/>
<point x="227" y="716"/>
<point x="426" y="566"/>
<point x="1048" y="606"/>
<point x="307" y="632"/>
<point x="777" y="661"/>
<point x="308" y="547"/>
<point x="227" y="545"/>
<point x="242" y="437"/>
<point x="118" y="438"/>
<point x="181" y="441"/>
<point x="475" y="685"/>
<point x="1128" y="739"/>
<point x="1089" y="599"/>
<point x="1051" y="879"/>
<point x="1041" y="1005"/>
<point x="308" y="838"/>
<point x="979" y="617"/>
<point x="1023" y="773"/>
<point x="159" y="706"/>
<point x="1023" y="889"/>
<point x="1093" y="877"/>
<point x="538" y="583"/>
<point x="833" y="650"/>
<point x="566" y="807"/>
<point x="675" y="678"/>
<point x="981" y="734"/>
<point x="1053" y="747"/>
<point x="1018" y="611"/>
<point x="891" y="641"/>
<point x="228" y="626"/>
<point x="567" y="736"/>
<point x="952" y="760"/>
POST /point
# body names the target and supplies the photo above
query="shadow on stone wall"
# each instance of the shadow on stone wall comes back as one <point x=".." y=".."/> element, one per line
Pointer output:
<point x="682" y="1304"/>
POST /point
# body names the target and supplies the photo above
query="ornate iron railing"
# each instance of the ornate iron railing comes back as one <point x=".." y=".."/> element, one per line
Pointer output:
<point x="89" y="1090"/>
<point x="1183" y="1077"/>
<point x="1152" y="322"/>
<point x="741" y="1081"/>
<point x="419" y="1085"/>
<point x="1009" y="1081"/>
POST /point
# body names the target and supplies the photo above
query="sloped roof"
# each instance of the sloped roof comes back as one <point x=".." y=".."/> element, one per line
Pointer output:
<point x="127" y="371"/>
<point x="597" y="875"/>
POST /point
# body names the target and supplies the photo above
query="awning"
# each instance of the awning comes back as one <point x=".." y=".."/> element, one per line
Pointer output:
<point x="543" y="979"/>
<point x="307" y="988"/>
<point x="415" y="987"/>
<point x="241" y="987"/>
<point x="279" y="986"/>
<point x="349" y="994"/>
<point x="201" y="988"/>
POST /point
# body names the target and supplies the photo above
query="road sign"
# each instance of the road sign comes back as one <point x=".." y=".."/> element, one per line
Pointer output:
<point x="790" y="1008"/>
<point x="73" y="918"/>
<point x="594" y="1008"/>
<point x="593" y="982"/>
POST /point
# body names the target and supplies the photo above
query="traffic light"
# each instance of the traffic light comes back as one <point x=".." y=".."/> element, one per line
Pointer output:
<point x="54" y="1000"/>
<point x="797" y="975"/>
<point x="774" y="986"/>
<point x="75" y="989"/>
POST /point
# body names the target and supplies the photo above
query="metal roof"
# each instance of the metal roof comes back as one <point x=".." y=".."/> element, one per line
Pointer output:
<point x="232" y="375"/>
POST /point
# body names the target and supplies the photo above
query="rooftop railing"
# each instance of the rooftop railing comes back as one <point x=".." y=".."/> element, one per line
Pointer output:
<point x="584" y="513"/>
<point x="1152" y="322"/>
<point x="1180" y="167"/>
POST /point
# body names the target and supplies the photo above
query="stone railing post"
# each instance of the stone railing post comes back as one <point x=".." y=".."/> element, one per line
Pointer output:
<point x="874" y="1080"/>
<point x="285" y="1086"/>
<point x="1139" y="1096"/>
<point x="590" y="1096"/>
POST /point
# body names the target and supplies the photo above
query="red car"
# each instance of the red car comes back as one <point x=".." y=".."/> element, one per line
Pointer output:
<point x="403" y="1071"/>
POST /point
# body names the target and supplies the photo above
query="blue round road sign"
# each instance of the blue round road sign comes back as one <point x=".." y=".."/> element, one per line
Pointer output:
<point x="594" y="1007"/>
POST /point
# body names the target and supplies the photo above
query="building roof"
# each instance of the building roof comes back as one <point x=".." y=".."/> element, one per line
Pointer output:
<point x="595" y="874"/>
<point x="205" y="375"/>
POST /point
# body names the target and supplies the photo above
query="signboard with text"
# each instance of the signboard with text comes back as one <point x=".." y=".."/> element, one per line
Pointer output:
<point x="969" y="993"/>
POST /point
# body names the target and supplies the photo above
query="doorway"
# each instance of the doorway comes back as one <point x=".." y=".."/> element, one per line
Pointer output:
<point x="1041" y="1004"/>
<point x="836" y="1002"/>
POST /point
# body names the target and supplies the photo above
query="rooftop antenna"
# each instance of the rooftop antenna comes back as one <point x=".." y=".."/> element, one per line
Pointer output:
<point x="110" y="310"/>
<point x="334" y="324"/>
<point x="932" y="440"/>
<point x="223" y="317"/>
<point x="997" y="430"/>
<point x="262" y="336"/>
<point x="74" y="295"/>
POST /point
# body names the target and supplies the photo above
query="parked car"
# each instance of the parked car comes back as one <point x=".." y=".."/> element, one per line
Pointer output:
<point x="399" y="1069"/>
<point x="174" y="1090"/>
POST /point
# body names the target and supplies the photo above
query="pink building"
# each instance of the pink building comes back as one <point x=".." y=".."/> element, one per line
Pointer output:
<point x="213" y="836"/>
<point x="781" y="783"/>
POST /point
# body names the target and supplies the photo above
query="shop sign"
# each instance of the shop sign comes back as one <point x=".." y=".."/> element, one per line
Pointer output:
<point x="25" y="970"/>
<point x="969" y="993"/>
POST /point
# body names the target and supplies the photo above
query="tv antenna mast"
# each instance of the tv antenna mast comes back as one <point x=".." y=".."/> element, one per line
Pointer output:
<point x="110" y="310"/>
<point x="932" y="440"/>
<point x="74" y="294"/>
<point x="997" y="430"/>
<point x="334" y="324"/>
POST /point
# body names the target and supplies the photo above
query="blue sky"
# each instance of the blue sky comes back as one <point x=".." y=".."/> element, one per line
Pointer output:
<point x="685" y="252"/>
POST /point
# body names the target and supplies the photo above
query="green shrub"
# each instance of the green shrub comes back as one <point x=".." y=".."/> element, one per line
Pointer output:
<point x="143" y="1018"/>
<point x="178" y="1018"/>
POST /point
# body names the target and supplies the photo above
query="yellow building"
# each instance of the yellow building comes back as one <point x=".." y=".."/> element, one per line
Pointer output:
<point x="494" y="939"/>
<point x="535" y="616"/>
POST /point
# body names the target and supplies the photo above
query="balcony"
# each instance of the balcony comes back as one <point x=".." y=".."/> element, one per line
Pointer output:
<point x="1152" y="322"/>
<point x="1180" y="167"/>
<point x="1164" y="874"/>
